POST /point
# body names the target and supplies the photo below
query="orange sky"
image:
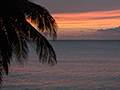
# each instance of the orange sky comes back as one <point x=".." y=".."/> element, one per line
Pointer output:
<point x="91" y="20"/>
<point x="76" y="24"/>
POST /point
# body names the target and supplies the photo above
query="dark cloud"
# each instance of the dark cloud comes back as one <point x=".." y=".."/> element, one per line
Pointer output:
<point x="111" y="31"/>
<point x="89" y="18"/>
<point x="70" y="6"/>
<point x="108" y="34"/>
<point x="110" y="17"/>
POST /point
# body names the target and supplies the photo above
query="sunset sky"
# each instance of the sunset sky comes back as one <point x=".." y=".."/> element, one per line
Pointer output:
<point x="85" y="19"/>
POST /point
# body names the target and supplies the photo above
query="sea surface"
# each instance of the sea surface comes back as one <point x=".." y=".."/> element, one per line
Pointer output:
<point x="82" y="65"/>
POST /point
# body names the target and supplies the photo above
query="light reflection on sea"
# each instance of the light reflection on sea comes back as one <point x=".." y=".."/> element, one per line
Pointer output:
<point x="82" y="65"/>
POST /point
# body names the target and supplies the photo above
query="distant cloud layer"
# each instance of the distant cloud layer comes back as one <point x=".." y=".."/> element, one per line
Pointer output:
<point x="113" y="33"/>
<point x="106" y="34"/>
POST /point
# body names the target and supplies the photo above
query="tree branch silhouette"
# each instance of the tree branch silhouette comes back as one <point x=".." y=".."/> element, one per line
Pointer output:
<point x="16" y="32"/>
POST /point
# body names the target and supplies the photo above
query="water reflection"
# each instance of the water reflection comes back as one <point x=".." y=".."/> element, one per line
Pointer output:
<point x="94" y="71"/>
<point x="78" y="75"/>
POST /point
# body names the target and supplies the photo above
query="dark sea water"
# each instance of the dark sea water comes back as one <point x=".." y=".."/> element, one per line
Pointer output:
<point x="82" y="65"/>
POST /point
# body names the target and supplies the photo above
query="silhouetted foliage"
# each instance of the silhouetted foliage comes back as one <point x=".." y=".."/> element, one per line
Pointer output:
<point x="16" y="32"/>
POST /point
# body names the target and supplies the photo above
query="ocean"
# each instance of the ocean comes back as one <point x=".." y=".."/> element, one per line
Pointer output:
<point x="82" y="65"/>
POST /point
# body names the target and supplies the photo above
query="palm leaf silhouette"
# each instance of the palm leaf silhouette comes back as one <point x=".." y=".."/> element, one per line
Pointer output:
<point x="16" y="32"/>
<point x="20" y="48"/>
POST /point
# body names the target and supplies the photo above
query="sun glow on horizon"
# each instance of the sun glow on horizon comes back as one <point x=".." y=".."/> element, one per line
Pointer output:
<point x="78" y="25"/>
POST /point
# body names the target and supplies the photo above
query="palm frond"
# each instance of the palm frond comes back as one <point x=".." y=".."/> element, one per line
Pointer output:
<point x="5" y="51"/>
<point x="40" y="16"/>
<point x="14" y="30"/>
<point x="44" y="49"/>
<point x="20" y="48"/>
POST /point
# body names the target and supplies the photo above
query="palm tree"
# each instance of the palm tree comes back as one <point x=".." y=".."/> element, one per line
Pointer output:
<point x="16" y="32"/>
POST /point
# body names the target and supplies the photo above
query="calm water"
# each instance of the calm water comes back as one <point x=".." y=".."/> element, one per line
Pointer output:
<point x="82" y="65"/>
